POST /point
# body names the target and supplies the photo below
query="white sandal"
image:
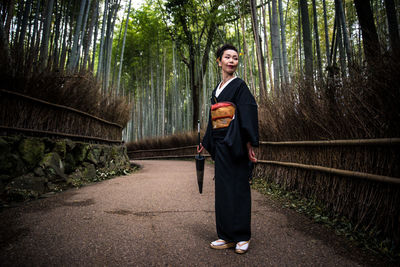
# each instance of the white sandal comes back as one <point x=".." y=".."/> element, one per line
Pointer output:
<point x="221" y="244"/>
<point x="242" y="247"/>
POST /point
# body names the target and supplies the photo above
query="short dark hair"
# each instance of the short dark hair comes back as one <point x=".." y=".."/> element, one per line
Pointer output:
<point x="221" y="50"/>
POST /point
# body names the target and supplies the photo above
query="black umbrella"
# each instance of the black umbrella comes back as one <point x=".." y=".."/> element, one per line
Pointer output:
<point x="199" y="163"/>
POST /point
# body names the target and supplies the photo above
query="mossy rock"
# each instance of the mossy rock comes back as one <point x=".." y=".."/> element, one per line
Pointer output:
<point x="83" y="175"/>
<point x="53" y="166"/>
<point x="70" y="144"/>
<point x="60" y="147"/>
<point x="13" y="140"/>
<point x="49" y="144"/>
<point x="25" y="187"/>
<point x="102" y="161"/>
<point x="38" y="171"/>
<point x="75" y="179"/>
<point x="12" y="165"/>
<point x="89" y="172"/>
<point x="70" y="164"/>
<point x="115" y="151"/>
<point x="32" y="151"/>
<point x="5" y="147"/>
<point x="80" y="152"/>
<point x="106" y="154"/>
<point x="93" y="155"/>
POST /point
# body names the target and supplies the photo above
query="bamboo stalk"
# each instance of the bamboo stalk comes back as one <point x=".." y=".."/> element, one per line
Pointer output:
<point x="60" y="106"/>
<point x="362" y="175"/>
<point x="59" y="134"/>
<point x="354" y="142"/>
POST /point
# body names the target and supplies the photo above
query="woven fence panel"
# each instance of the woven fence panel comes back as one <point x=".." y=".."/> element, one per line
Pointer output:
<point x="20" y="112"/>
<point x="367" y="203"/>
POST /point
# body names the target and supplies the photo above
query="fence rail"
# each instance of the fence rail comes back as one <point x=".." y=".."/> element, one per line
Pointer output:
<point x="162" y="149"/>
<point x="336" y="171"/>
<point x="60" y="107"/>
<point x="362" y="175"/>
<point x="21" y="113"/>
<point x="80" y="137"/>
<point x="354" y="142"/>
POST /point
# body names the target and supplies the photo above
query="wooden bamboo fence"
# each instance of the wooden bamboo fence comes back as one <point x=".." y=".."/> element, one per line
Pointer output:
<point x="25" y="114"/>
<point x="359" y="179"/>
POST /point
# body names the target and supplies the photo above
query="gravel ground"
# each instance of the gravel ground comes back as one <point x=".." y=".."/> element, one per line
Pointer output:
<point x="156" y="217"/>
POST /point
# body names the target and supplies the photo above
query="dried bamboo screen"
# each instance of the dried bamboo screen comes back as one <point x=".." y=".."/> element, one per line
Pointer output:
<point x="18" y="111"/>
<point x="370" y="204"/>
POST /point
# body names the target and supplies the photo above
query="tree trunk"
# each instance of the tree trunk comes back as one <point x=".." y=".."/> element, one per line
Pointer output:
<point x="307" y="43"/>
<point x="96" y="30"/>
<point x="74" y="50"/>
<point x="326" y="35"/>
<point x="116" y="54"/>
<point x="339" y="42"/>
<point x="123" y="46"/>
<point x="35" y="34"/>
<point x="283" y="38"/>
<point x="10" y="15"/>
<point x="244" y="44"/>
<point x="84" y="32"/>
<point x="22" y="32"/>
<point x="267" y="49"/>
<point x="46" y="32"/>
<point x="257" y="41"/>
<point x="393" y="26"/>
<point x="109" y="38"/>
<point x="346" y="42"/>
<point x="103" y="26"/>
<point x="275" y="41"/>
<point x="93" y="20"/>
<point x="317" y="47"/>
<point x="65" y="36"/>
<point x="369" y="34"/>
<point x="5" y="56"/>
<point x="58" y="28"/>
<point x="163" y="95"/>
<point x="299" y="42"/>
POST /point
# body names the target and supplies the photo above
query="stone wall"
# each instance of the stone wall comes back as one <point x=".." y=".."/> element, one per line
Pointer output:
<point x="31" y="167"/>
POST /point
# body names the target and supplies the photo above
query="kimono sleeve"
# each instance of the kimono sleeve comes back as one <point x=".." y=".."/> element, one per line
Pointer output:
<point x="247" y="115"/>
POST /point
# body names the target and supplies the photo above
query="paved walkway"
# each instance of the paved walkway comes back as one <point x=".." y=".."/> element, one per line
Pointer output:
<point x="156" y="217"/>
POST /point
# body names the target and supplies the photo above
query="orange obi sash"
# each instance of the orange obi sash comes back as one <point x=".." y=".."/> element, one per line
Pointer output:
<point x="222" y="114"/>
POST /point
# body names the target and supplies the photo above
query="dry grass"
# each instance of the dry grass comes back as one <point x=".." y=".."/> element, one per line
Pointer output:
<point x="172" y="141"/>
<point x="80" y="91"/>
<point x="367" y="105"/>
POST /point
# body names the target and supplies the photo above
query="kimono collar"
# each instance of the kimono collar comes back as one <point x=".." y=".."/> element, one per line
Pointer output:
<point x="221" y="88"/>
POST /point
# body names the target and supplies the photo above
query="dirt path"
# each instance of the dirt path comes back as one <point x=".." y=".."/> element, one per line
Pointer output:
<point x="156" y="217"/>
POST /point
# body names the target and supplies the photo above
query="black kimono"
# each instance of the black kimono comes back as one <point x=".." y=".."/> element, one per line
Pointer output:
<point x="227" y="147"/>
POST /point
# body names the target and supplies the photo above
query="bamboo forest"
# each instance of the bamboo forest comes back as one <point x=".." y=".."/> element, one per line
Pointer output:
<point x="96" y="89"/>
